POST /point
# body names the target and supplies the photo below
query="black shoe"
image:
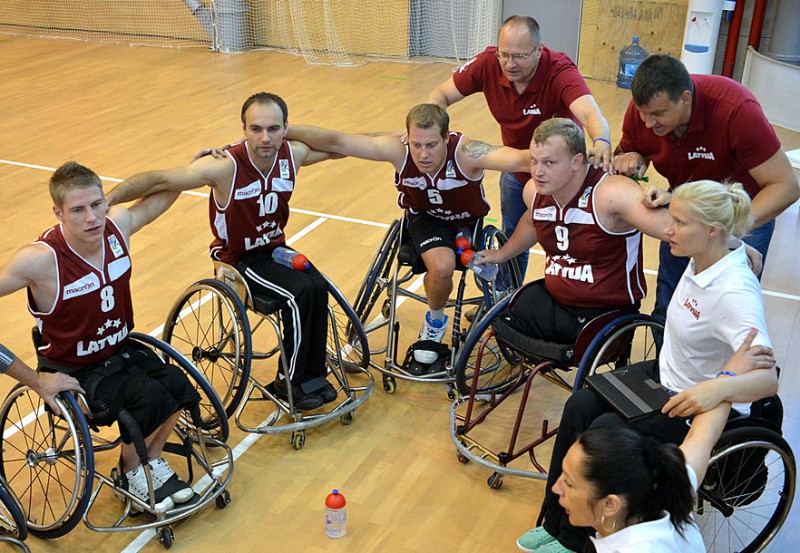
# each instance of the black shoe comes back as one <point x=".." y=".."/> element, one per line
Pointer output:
<point x="327" y="392"/>
<point x="302" y="401"/>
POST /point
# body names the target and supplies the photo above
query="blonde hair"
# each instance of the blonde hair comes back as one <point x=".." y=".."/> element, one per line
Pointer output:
<point x="71" y="175"/>
<point x="725" y="206"/>
<point x="566" y="129"/>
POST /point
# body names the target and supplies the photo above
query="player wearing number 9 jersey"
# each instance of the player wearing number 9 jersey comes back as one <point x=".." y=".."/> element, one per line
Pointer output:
<point x="588" y="224"/>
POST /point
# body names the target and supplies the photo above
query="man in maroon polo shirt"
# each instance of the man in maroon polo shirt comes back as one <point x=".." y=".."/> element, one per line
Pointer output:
<point x="525" y="83"/>
<point x="693" y="127"/>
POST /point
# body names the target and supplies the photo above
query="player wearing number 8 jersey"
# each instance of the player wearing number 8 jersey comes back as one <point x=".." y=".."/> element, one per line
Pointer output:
<point x="77" y="277"/>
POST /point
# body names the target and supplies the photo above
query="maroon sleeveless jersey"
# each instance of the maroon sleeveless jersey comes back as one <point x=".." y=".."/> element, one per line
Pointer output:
<point x="448" y="194"/>
<point x="253" y="217"/>
<point x="587" y="265"/>
<point x="92" y="314"/>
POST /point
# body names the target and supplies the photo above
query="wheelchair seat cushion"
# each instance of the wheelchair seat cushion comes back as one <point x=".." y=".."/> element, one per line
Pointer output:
<point x="267" y="305"/>
<point x="561" y="354"/>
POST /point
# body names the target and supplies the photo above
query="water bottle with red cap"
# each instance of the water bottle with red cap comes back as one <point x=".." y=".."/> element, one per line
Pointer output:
<point x="335" y="515"/>
<point x="463" y="240"/>
<point x="472" y="261"/>
<point x="290" y="258"/>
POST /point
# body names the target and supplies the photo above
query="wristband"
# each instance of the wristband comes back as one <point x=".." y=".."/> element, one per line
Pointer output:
<point x="606" y="140"/>
<point x="725" y="373"/>
<point x="6" y="358"/>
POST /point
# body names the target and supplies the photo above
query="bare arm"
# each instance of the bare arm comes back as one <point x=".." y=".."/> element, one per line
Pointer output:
<point x="629" y="163"/>
<point x="446" y="94"/>
<point x="206" y="171"/>
<point x="143" y="212"/>
<point x="619" y="205"/>
<point x="375" y="148"/>
<point x="703" y="435"/>
<point x="47" y="385"/>
<point x="588" y="113"/>
<point x="779" y="187"/>
<point x="305" y="155"/>
<point x="475" y="156"/>
<point x="523" y="238"/>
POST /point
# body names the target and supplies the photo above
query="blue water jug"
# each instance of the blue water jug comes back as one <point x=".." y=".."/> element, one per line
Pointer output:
<point x="629" y="59"/>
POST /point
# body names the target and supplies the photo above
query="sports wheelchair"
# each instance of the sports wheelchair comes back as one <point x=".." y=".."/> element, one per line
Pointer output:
<point x="13" y="529"/>
<point x="210" y="324"/>
<point x="392" y="269"/>
<point x="50" y="460"/>
<point x="496" y="361"/>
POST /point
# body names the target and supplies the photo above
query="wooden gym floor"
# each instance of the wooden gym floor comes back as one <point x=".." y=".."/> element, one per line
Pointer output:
<point x="121" y="110"/>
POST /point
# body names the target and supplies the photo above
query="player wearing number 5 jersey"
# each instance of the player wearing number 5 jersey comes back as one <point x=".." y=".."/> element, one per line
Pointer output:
<point x="249" y="208"/>
<point x="77" y="277"/>
<point x="588" y="224"/>
<point x="439" y="178"/>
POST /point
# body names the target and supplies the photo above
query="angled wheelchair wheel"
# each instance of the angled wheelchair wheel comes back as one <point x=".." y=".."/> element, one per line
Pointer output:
<point x="213" y="418"/>
<point x="12" y="519"/>
<point x="347" y="341"/>
<point x="379" y="272"/>
<point x="508" y="275"/>
<point x="624" y="341"/>
<point x="47" y="460"/>
<point x="497" y="365"/>
<point x="209" y="325"/>
<point x="747" y="492"/>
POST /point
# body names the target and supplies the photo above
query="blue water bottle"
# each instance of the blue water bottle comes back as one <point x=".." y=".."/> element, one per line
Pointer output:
<point x="629" y="59"/>
<point x="290" y="258"/>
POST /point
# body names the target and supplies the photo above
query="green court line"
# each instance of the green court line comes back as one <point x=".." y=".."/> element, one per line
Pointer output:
<point x="395" y="78"/>
<point x="489" y="220"/>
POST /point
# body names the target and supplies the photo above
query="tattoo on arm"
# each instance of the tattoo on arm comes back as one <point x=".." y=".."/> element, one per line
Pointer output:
<point x="475" y="148"/>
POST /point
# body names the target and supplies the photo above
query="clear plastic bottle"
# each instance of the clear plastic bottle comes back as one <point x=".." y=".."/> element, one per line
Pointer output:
<point x="290" y="258"/>
<point x="487" y="271"/>
<point x="629" y="59"/>
<point x="335" y="515"/>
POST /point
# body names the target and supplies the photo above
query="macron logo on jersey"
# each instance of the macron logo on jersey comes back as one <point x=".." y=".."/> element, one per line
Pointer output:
<point x="701" y="153"/>
<point x="415" y="182"/>
<point x="545" y="213"/>
<point x="83" y="285"/>
<point x="251" y="190"/>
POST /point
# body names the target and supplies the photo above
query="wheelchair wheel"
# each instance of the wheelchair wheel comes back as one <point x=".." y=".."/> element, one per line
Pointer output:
<point x="626" y="340"/>
<point x="209" y="325"/>
<point x="47" y="460"/>
<point x="12" y="520"/>
<point x="508" y="275"/>
<point x="213" y="419"/>
<point x="379" y="269"/>
<point x="498" y="366"/>
<point x="747" y="492"/>
<point x="348" y="338"/>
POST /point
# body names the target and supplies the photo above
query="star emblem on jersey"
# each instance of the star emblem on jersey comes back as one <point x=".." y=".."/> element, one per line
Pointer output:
<point x="116" y="323"/>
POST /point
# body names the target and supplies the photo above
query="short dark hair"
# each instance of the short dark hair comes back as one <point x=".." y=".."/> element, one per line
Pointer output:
<point x="524" y="20"/>
<point x="266" y="98"/>
<point x="71" y="175"/>
<point x="650" y="476"/>
<point x="660" y="73"/>
<point x="565" y="128"/>
<point x="426" y="116"/>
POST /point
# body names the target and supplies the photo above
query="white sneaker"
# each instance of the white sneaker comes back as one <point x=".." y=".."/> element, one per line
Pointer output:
<point x="434" y="330"/>
<point x="137" y="486"/>
<point x="163" y="475"/>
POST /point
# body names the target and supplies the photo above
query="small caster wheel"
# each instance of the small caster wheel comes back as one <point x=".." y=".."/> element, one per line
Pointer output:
<point x="347" y="418"/>
<point x="451" y="393"/>
<point x="389" y="384"/>
<point x="166" y="536"/>
<point x="386" y="308"/>
<point x="223" y="499"/>
<point x="298" y="439"/>
<point x="495" y="481"/>
<point x="463" y="459"/>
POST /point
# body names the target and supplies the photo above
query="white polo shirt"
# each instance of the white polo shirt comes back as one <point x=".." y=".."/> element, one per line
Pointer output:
<point x="655" y="536"/>
<point x="708" y="318"/>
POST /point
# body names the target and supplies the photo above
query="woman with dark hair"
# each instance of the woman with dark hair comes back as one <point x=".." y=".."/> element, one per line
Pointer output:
<point x="635" y="492"/>
<point x="716" y="348"/>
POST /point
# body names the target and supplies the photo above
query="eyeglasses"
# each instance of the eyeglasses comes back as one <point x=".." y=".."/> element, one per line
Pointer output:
<point x="518" y="58"/>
